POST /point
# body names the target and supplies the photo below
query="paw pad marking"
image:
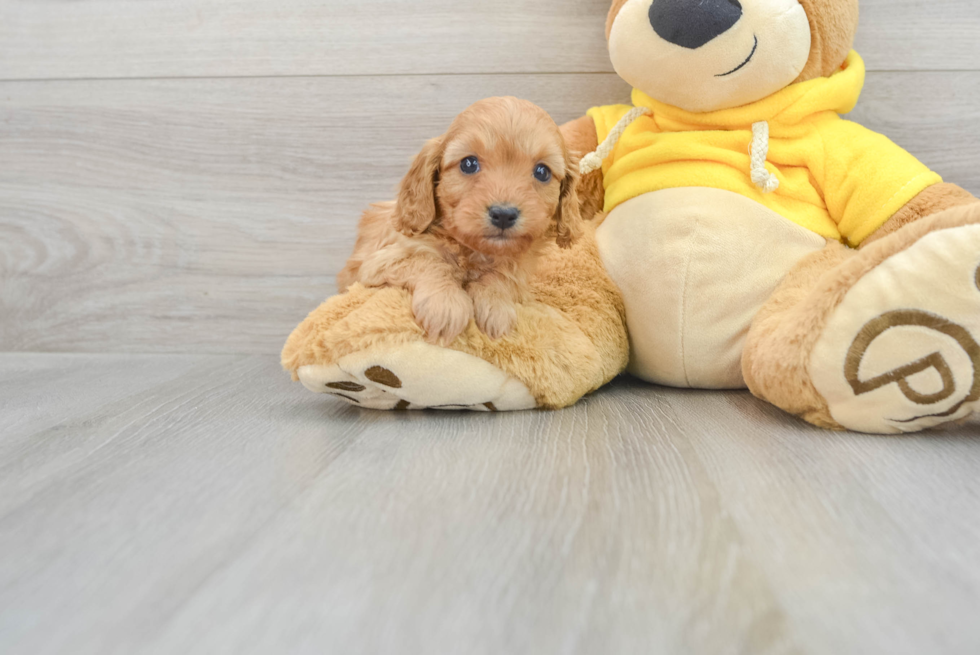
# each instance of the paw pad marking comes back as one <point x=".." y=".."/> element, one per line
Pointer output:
<point x="901" y="375"/>
<point x="417" y="376"/>
<point x="346" y="386"/>
<point x="383" y="376"/>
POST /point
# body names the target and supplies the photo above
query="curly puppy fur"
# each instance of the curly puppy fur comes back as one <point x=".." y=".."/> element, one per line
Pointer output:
<point x="437" y="239"/>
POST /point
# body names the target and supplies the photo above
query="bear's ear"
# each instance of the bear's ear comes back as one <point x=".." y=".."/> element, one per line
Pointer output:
<point x="833" y="26"/>
<point x="613" y="12"/>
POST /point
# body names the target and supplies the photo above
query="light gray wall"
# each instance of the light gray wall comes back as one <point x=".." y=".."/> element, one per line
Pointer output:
<point x="186" y="177"/>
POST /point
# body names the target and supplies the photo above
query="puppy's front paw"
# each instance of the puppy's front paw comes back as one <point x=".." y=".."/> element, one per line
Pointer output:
<point x="496" y="317"/>
<point x="443" y="315"/>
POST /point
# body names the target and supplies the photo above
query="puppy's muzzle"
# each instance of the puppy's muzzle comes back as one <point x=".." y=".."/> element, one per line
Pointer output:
<point x="503" y="217"/>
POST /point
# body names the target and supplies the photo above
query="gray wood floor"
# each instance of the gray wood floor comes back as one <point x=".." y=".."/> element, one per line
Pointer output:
<point x="179" y="184"/>
<point x="201" y="504"/>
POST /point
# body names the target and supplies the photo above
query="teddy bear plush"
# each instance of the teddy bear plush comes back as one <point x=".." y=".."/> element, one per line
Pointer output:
<point x="745" y="235"/>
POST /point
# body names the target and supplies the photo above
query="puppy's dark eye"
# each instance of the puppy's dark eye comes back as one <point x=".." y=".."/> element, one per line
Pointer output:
<point x="542" y="173"/>
<point x="470" y="166"/>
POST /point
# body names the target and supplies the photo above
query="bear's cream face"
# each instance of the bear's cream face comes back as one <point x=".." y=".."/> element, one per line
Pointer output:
<point x="705" y="55"/>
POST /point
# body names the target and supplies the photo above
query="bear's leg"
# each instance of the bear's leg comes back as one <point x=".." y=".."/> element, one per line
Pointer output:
<point x="884" y="339"/>
<point x="365" y="347"/>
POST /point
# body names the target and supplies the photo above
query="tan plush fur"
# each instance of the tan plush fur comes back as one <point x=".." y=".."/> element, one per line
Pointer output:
<point x="569" y="340"/>
<point x="933" y="200"/>
<point x="784" y="333"/>
<point x="833" y="25"/>
<point x="613" y="12"/>
<point x="439" y="241"/>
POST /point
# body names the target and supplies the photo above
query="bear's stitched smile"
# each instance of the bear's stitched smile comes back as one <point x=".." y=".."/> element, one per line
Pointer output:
<point x="744" y="63"/>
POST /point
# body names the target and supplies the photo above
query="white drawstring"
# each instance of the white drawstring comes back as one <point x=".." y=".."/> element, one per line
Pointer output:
<point x="593" y="160"/>
<point x="759" y="151"/>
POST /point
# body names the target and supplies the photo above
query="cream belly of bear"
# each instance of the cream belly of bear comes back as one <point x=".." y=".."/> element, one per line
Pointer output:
<point x="694" y="266"/>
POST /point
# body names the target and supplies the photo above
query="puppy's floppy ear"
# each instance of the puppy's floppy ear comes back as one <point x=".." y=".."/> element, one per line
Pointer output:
<point x="568" y="218"/>
<point x="416" y="207"/>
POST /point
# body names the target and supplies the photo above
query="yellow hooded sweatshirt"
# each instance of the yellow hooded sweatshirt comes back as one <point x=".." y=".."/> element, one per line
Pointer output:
<point x="836" y="178"/>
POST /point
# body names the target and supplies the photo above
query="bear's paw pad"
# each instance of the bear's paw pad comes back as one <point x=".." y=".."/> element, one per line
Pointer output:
<point x="902" y="351"/>
<point x="418" y="376"/>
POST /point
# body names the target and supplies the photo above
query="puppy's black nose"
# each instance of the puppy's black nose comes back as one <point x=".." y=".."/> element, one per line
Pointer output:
<point x="692" y="23"/>
<point x="504" y="217"/>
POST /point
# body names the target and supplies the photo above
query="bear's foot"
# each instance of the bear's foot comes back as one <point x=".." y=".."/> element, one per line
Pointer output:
<point x="568" y="339"/>
<point x="418" y="375"/>
<point x="902" y="351"/>
<point x="888" y="339"/>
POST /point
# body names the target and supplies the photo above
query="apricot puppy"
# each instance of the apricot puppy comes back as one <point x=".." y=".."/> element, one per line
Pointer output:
<point x="474" y="211"/>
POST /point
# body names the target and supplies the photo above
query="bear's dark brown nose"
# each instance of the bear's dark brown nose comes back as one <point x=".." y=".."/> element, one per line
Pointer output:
<point x="692" y="23"/>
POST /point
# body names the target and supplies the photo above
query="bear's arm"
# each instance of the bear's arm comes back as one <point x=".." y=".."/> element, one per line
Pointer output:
<point x="581" y="138"/>
<point x="866" y="179"/>
<point x="930" y="201"/>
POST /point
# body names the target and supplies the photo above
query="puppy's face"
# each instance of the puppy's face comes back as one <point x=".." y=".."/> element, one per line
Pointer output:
<point x="502" y="179"/>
